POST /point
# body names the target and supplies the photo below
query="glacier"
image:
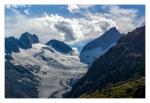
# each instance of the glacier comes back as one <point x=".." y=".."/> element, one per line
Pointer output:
<point x="57" y="72"/>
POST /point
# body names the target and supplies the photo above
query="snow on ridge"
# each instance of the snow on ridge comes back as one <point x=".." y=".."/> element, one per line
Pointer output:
<point x="91" y="55"/>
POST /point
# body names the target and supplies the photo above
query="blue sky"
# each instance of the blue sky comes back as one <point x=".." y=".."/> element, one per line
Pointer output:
<point x="73" y="24"/>
<point x="37" y="10"/>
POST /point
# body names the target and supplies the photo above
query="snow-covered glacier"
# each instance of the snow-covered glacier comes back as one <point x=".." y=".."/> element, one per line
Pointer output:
<point x="56" y="71"/>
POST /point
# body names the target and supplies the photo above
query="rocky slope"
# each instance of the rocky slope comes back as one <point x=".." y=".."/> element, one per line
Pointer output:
<point x="124" y="61"/>
<point x="99" y="46"/>
<point x="19" y="81"/>
<point x="11" y="45"/>
<point x="124" y="89"/>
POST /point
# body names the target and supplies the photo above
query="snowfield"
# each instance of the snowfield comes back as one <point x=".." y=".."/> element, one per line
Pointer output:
<point x="90" y="56"/>
<point x="57" y="71"/>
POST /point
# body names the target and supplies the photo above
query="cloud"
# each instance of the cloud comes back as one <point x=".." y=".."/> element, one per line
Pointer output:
<point x="26" y="11"/>
<point x="85" y="6"/>
<point x="16" y="6"/>
<point x="67" y="27"/>
<point x="77" y="29"/>
<point x="75" y="50"/>
<point x="126" y="19"/>
<point x="73" y="8"/>
<point x="11" y="6"/>
<point x="42" y="26"/>
<point x="70" y="29"/>
<point x="50" y="26"/>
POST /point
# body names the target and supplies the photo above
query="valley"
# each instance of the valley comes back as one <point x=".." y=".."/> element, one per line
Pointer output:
<point x="114" y="66"/>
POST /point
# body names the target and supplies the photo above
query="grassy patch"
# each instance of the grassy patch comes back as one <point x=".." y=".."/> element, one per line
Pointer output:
<point x="126" y="89"/>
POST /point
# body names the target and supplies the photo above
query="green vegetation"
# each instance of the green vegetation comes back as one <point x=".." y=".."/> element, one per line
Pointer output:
<point x="126" y="89"/>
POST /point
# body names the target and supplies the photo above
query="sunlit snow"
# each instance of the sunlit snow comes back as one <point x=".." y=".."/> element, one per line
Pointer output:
<point x="57" y="71"/>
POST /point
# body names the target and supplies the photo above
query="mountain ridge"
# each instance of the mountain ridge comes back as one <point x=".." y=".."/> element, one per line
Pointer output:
<point x="99" y="46"/>
<point x="123" y="61"/>
<point x="25" y="41"/>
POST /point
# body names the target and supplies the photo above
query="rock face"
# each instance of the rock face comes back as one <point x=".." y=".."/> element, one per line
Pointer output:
<point x="11" y="45"/>
<point x="19" y="81"/>
<point x="25" y="41"/>
<point x="99" y="46"/>
<point x="60" y="46"/>
<point x="124" y="61"/>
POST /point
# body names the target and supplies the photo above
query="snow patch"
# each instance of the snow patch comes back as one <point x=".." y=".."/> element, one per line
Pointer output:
<point x="89" y="56"/>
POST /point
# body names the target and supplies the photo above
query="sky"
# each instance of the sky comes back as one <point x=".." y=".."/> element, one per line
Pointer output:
<point x="74" y="24"/>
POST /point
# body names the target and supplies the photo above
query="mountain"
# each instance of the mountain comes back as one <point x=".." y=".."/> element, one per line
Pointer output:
<point x="40" y="72"/>
<point x="99" y="46"/>
<point x="11" y="45"/>
<point x="60" y="46"/>
<point x="26" y="40"/>
<point x="123" y="62"/>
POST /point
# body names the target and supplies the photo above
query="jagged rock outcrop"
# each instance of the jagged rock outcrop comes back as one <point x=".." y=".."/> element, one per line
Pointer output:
<point x="11" y="45"/>
<point x="26" y="40"/>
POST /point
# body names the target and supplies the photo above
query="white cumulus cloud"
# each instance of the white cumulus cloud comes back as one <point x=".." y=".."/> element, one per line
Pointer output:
<point x="126" y="19"/>
<point x="26" y="11"/>
<point x="50" y="26"/>
<point x="73" y="8"/>
<point x="76" y="8"/>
